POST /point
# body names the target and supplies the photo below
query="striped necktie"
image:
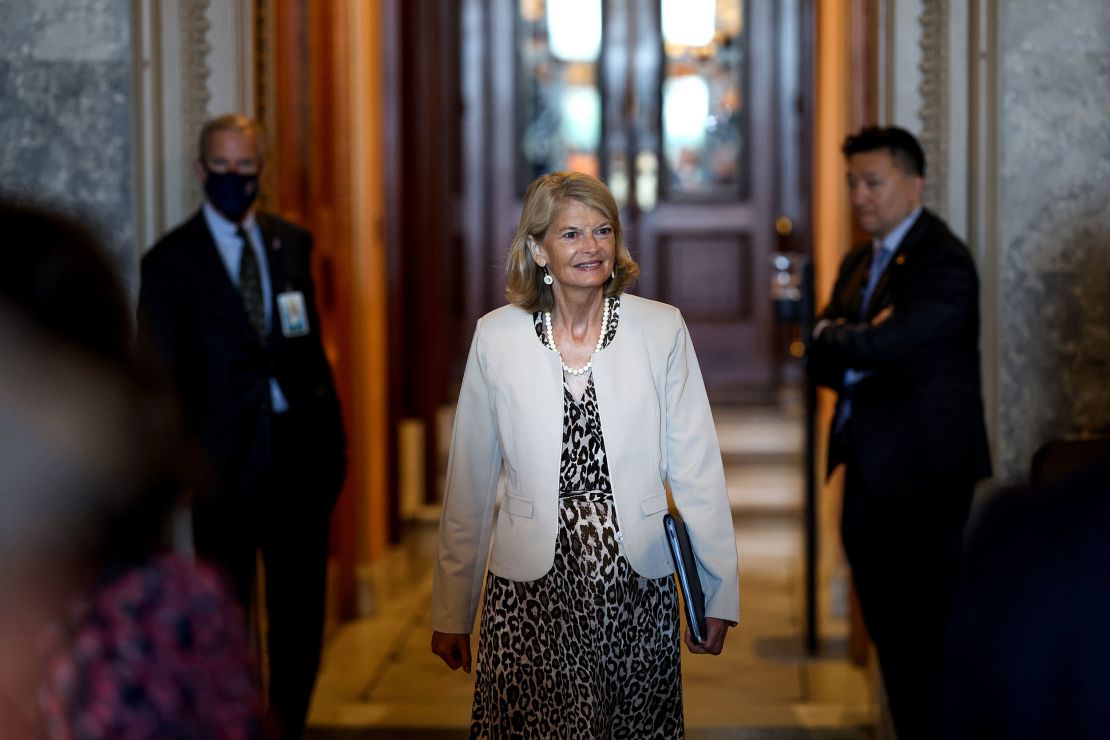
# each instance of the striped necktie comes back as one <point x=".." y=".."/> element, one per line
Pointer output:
<point x="250" y="286"/>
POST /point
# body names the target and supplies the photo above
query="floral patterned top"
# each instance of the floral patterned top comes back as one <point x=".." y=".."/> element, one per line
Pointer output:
<point x="160" y="652"/>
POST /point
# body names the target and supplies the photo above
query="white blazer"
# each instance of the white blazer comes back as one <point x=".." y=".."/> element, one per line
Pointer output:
<point x="658" y="429"/>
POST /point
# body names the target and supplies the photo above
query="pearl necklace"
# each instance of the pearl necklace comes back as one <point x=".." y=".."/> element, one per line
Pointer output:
<point x="597" y="347"/>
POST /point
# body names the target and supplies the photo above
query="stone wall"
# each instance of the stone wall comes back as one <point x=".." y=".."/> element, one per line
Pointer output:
<point x="65" y="114"/>
<point x="1054" y="254"/>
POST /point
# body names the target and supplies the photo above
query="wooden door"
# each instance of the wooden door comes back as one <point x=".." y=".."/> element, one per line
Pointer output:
<point x="691" y="111"/>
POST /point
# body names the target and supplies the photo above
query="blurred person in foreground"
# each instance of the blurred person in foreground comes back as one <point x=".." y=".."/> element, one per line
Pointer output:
<point x="899" y="343"/>
<point x="590" y="401"/>
<point x="66" y="458"/>
<point x="228" y="302"/>
<point x="141" y="643"/>
<point x="1029" y="656"/>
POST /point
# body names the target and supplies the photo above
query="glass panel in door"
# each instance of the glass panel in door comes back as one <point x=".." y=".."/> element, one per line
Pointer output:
<point x="558" y="48"/>
<point x="703" y="99"/>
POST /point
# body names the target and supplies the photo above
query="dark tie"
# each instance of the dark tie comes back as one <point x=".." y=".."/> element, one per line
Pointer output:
<point x="250" y="286"/>
<point x="879" y="260"/>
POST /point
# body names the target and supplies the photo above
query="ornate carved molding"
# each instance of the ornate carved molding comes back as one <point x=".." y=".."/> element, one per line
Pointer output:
<point x="265" y="109"/>
<point x="934" y="100"/>
<point x="194" y="79"/>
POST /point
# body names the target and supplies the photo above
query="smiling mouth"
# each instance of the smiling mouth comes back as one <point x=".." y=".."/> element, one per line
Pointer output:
<point x="588" y="265"/>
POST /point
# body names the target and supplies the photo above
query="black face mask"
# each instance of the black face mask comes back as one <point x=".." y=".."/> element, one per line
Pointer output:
<point x="231" y="193"/>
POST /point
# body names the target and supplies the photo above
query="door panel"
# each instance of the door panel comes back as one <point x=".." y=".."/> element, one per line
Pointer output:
<point x="708" y="275"/>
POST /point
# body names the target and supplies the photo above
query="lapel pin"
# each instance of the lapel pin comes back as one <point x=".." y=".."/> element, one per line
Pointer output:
<point x="900" y="259"/>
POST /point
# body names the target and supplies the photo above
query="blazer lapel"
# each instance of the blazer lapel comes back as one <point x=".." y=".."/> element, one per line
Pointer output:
<point x="214" y="274"/>
<point x="853" y="287"/>
<point x="279" y="278"/>
<point x="272" y="243"/>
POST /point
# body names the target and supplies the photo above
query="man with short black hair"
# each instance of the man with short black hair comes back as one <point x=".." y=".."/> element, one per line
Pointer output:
<point x="899" y="342"/>
<point x="227" y="300"/>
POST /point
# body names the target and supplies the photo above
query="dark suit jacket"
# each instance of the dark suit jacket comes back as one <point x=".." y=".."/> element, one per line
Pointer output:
<point x="193" y="315"/>
<point x="1029" y="649"/>
<point x="919" y="416"/>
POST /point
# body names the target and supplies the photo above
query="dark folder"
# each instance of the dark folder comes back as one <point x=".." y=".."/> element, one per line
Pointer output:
<point x="686" y="570"/>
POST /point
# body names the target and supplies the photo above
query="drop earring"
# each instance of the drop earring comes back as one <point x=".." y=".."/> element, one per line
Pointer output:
<point x="547" y="279"/>
<point x="613" y="274"/>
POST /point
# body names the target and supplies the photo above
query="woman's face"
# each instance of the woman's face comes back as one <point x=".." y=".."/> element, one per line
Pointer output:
<point x="578" y="249"/>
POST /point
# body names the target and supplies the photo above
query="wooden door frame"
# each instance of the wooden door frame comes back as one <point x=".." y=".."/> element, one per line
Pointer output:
<point x="302" y="143"/>
<point x="326" y="161"/>
<point x="428" y="295"/>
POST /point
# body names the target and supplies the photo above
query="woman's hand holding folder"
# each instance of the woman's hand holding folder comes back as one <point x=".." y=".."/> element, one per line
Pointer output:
<point x="716" y="630"/>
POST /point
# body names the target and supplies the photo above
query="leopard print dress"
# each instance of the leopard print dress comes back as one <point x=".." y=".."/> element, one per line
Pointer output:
<point x="591" y="649"/>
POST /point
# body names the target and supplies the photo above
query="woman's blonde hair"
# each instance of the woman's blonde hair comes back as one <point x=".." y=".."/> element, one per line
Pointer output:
<point x="542" y="202"/>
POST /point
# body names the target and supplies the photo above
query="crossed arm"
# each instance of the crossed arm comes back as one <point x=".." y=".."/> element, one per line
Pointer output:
<point x="927" y="311"/>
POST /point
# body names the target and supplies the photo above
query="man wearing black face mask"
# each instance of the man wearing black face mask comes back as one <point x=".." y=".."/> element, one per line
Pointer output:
<point x="227" y="302"/>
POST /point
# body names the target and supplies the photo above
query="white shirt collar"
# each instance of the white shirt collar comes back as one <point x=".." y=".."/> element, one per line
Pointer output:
<point x="893" y="240"/>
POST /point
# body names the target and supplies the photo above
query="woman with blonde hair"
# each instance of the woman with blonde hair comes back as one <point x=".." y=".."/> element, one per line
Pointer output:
<point x="589" y="403"/>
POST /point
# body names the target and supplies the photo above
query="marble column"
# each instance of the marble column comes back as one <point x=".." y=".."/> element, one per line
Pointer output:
<point x="1054" y="204"/>
<point x="65" y="114"/>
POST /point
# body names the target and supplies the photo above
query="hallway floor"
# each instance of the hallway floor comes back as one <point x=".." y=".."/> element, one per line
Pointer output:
<point x="380" y="680"/>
